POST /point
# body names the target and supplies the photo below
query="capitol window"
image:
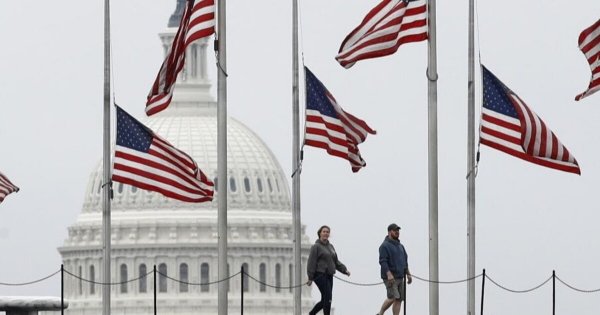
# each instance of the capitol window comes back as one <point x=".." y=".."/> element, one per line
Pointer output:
<point x="142" y="283"/>
<point x="133" y="189"/>
<point x="204" y="272"/>
<point x="215" y="181"/>
<point x="262" y="274"/>
<point x="123" y="278"/>
<point x="290" y="273"/>
<point x="183" y="277"/>
<point x="92" y="279"/>
<point x="162" y="279"/>
<point x="247" y="184"/>
<point x="269" y="184"/>
<point x="245" y="277"/>
<point x="232" y="185"/>
<point x="80" y="280"/>
<point x="278" y="278"/>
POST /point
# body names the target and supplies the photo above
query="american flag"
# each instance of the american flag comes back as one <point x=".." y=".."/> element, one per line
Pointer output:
<point x="6" y="187"/>
<point x="508" y="125"/>
<point x="589" y="43"/>
<point x="144" y="160"/>
<point x="198" y="21"/>
<point x="329" y="127"/>
<point x="386" y="27"/>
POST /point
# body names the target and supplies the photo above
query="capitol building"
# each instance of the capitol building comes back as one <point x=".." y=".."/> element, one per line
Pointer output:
<point x="179" y="238"/>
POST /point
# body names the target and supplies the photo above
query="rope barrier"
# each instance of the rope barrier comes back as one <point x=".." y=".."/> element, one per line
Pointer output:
<point x="30" y="282"/>
<point x="104" y="283"/>
<point x="416" y="277"/>
<point x="276" y="286"/>
<point x="302" y="284"/>
<point x="518" y="291"/>
<point x="576" y="289"/>
<point x="359" y="284"/>
<point x="484" y="276"/>
<point x="192" y="283"/>
<point x="447" y="282"/>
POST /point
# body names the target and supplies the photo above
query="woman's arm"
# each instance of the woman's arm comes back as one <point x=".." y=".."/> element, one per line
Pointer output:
<point x="339" y="266"/>
<point x="311" y="264"/>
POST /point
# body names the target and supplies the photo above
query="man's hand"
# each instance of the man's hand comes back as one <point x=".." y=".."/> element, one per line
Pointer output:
<point x="347" y="273"/>
<point x="390" y="277"/>
<point x="409" y="278"/>
<point x="309" y="282"/>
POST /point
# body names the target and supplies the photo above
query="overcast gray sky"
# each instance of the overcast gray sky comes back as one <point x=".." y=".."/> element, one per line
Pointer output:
<point x="530" y="219"/>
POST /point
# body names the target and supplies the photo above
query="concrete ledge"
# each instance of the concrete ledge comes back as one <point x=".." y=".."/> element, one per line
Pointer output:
<point x="29" y="305"/>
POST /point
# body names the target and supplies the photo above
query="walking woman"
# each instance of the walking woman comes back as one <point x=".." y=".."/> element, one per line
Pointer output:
<point x="321" y="266"/>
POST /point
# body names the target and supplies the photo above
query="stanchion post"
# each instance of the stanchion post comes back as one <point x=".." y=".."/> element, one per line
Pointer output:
<point x="482" y="290"/>
<point x="62" y="289"/>
<point x="553" y="292"/>
<point x="405" y="288"/>
<point x="154" y="289"/>
<point x="242" y="292"/>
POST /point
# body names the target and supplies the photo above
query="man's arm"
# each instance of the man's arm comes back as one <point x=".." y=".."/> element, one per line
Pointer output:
<point x="384" y="258"/>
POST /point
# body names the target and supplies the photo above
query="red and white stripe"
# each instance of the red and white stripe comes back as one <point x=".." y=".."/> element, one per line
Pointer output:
<point x="163" y="169"/>
<point x="339" y="137"/>
<point x="527" y="138"/>
<point x="198" y="21"/>
<point x="6" y="187"/>
<point x="589" y="43"/>
<point x="386" y="27"/>
<point x="537" y="139"/>
<point x="202" y="22"/>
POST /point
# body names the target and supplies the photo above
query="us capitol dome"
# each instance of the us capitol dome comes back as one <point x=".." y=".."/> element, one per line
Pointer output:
<point x="179" y="238"/>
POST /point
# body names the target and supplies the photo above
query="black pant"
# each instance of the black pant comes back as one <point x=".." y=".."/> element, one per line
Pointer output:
<point x="325" y="284"/>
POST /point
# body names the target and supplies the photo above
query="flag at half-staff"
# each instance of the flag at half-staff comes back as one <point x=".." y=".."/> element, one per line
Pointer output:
<point x="589" y="43"/>
<point x="385" y="28"/>
<point x="6" y="187"/>
<point x="509" y="125"/>
<point x="197" y="21"/>
<point x="329" y="127"/>
<point x="144" y="160"/>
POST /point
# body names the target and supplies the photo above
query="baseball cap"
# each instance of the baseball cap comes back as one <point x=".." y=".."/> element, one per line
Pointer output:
<point x="394" y="227"/>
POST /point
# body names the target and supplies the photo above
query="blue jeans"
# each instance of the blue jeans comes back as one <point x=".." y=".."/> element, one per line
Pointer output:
<point x="325" y="284"/>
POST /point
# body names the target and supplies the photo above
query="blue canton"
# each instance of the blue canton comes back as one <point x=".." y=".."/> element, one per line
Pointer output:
<point x="495" y="95"/>
<point x="316" y="96"/>
<point x="131" y="133"/>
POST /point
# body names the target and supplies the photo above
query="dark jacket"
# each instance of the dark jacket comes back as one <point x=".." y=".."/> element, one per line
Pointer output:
<point x="392" y="257"/>
<point x="323" y="259"/>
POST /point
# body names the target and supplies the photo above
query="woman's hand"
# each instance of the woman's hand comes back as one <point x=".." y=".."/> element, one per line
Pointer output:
<point x="348" y="273"/>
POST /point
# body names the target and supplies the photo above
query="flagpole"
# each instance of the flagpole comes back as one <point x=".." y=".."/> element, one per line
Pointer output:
<point x="471" y="165"/>
<point x="222" y="158"/>
<point x="432" y="160"/>
<point x="296" y="163"/>
<point x="106" y="189"/>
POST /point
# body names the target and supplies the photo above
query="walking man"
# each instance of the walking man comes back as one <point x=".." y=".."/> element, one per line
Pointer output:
<point x="394" y="266"/>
